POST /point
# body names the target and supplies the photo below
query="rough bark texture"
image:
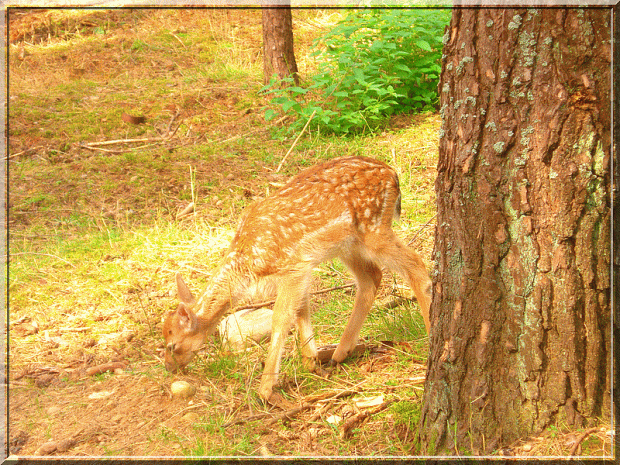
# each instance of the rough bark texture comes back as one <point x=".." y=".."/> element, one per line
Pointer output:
<point x="279" y="56"/>
<point x="521" y="306"/>
<point x="616" y="215"/>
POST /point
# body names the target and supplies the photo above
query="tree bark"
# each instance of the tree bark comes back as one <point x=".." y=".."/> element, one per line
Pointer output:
<point x="616" y="210"/>
<point x="279" y="56"/>
<point x="521" y="308"/>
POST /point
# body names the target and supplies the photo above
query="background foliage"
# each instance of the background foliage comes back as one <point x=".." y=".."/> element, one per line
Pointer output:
<point x="372" y="64"/>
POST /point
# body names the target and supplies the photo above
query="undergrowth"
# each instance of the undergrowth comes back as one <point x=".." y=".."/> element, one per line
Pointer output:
<point x="372" y="64"/>
<point x="95" y="240"/>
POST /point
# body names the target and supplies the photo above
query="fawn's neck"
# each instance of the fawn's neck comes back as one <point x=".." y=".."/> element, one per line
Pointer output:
<point x="225" y="289"/>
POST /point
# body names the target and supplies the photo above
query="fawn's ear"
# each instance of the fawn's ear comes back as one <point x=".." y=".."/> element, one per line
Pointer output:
<point x="185" y="295"/>
<point x="187" y="318"/>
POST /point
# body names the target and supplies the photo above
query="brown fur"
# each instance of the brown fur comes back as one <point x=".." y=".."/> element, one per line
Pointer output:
<point x="342" y="208"/>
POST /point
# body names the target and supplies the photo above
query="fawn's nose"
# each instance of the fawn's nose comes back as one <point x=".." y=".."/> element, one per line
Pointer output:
<point x="170" y="362"/>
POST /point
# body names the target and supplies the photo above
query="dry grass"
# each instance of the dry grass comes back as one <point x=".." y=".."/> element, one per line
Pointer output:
<point x="95" y="244"/>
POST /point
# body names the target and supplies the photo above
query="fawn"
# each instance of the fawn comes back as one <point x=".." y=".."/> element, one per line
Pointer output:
<point x="341" y="208"/>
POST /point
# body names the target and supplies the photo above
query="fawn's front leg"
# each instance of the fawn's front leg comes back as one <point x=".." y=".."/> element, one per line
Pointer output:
<point x="292" y="296"/>
<point x="305" y="333"/>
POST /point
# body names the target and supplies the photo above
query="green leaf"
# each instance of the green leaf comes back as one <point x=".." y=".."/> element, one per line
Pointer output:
<point x="297" y="90"/>
<point x="270" y="114"/>
<point x="286" y="106"/>
<point x="424" y="45"/>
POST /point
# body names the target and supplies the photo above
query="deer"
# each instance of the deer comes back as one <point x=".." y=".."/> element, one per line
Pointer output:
<point x="342" y="208"/>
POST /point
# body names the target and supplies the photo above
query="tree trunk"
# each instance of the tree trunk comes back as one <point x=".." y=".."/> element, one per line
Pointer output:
<point x="616" y="211"/>
<point x="279" y="56"/>
<point x="521" y="307"/>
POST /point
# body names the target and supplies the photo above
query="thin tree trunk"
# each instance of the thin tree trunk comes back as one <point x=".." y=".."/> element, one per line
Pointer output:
<point x="279" y="56"/>
<point x="521" y="306"/>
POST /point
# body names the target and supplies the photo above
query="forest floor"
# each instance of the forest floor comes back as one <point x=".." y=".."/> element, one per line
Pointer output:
<point x="95" y="239"/>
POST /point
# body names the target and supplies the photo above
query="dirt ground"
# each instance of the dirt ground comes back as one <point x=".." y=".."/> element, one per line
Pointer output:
<point x="85" y="368"/>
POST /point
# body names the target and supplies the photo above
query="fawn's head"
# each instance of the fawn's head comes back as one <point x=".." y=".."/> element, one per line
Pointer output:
<point x="181" y="331"/>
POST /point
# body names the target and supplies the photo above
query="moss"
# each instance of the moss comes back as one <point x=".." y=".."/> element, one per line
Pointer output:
<point x="499" y="146"/>
<point x="515" y="23"/>
<point x="461" y="66"/>
<point x="442" y="111"/>
<point x="525" y="133"/>
<point x="599" y="166"/>
<point x="446" y="37"/>
<point x="491" y="126"/>
<point x="431" y="448"/>
<point x="526" y="42"/>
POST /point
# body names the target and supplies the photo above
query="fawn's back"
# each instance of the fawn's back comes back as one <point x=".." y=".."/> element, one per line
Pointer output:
<point x="307" y="220"/>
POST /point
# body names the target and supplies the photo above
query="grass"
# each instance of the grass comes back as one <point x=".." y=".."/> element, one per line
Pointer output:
<point x="95" y="242"/>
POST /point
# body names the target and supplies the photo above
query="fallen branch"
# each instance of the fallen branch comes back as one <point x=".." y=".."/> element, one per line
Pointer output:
<point x="324" y="354"/>
<point x="97" y="370"/>
<point x="360" y="417"/>
<point x="581" y="438"/>
<point x="291" y="413"/>
<point x="348" y="425"/>
<point x="121" y="141"/>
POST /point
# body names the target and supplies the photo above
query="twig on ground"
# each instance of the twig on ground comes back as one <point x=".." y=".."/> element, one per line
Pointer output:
<point x="31" y="149"/>
<point x="121" y="141"/>
<point x="168" y="133"/>
<point x="238" y="136"/>
<point x="43" y="254"/>
<point x="97" y="370"/>
<point x="581" y="438"/>
<point x="309" y="402"/>
<point x="296" y="140"/>
<point x="360" y="417"/>
<point x="100" y="149"/>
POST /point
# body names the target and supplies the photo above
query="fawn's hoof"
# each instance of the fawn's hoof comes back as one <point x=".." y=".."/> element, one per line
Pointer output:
<point x="278" y="401"/>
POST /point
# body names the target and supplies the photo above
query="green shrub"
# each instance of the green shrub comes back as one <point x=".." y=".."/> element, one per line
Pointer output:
<point x="373" y="64"/>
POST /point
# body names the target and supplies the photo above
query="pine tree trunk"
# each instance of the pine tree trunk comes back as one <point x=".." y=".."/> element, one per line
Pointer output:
<point x="616" y="213"/>
<point x="521" y="306"/>
<point x="279" y="56"/>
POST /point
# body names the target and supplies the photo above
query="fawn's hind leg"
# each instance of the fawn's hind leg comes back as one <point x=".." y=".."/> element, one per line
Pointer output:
<point x="368" y="279"/>
<point x="398" y="257"/>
